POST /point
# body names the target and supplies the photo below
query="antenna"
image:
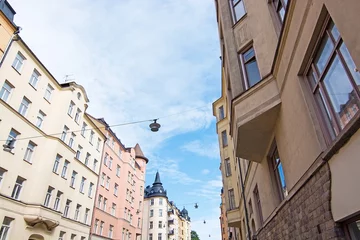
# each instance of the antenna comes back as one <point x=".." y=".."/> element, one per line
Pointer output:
<point x="68" y="77"/>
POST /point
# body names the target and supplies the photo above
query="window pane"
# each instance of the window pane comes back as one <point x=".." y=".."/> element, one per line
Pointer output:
<point x="324" y="53"/>
<point x="252" y="72"/>
<point x="354" y="229"/>
<point x="312" y="78"/>
<point x="350" y="63"/>
<point x="248" y="54"/>
<point x="282" y="13"/>
<point x="319" y="96"/>
<point x="340" y="90"/>
<point x="239" y="10"/>
<point x="334" y="31"/>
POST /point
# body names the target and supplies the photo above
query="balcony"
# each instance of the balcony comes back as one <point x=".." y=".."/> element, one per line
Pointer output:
<point x="170" y="222"/>
<point x="171" y="232"/>
<point x="171" y="211"/>
<point x="255" y="114"/>
<point x="233" y="217"/>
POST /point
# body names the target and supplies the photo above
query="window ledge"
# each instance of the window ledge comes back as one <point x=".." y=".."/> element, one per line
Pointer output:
<point x="240" y="20"/>
<point x="47" y="100"/>
<point x="56" y="173"/>
<point x="342" y="138"/>
<point x="27" y="162"/>
<point x="32" y="86"/>
<point x="16" y="70"/>
<point x="72" y="187"/>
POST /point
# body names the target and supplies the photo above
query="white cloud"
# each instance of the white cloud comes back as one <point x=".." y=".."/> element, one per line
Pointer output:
<point x="209" y="190"/>
<point x="203" y="148"/>
<point x="205" y="171"/>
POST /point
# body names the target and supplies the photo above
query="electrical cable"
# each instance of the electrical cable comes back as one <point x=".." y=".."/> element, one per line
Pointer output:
<point x="114" y="125"/>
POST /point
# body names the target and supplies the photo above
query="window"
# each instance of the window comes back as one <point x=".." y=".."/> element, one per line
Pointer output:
<point x="160" y="212"/>
<point x="150" y="236"/>
<point x="98" y="144"/>
<point x="110" y="162"/>
<point x="64" y="170"/>
<point x="159" y="236"/>
<point x="71" y="108"/>
<point x="151" y="225"/>
<point x="106" y="159"/>
<point x="40" y="119"/>
<point x="34" y="79"/>
<point x="102" y="179"/>
<point x="280" y="7"/>
<point x="139" y="221"/>
<point x="334" y="82"/>
<point x="90" y="190"/>
<point x="354" y="228"/>
<point x="238" y="10"/>
<point x="17" y="188"/>
<point x="278" y="173"/>
<point x="118" y="171"/>
<point x="250" y="208"/>
<point x="72" y="139"/>
<point x="151" y="213"/>
<point x="73" y="236"/>
<point x="77" y="212"/>
<point x="29" y="151"/>
<point x="105" y="202"/>
<point x="227" y="167"/>
<point x="64" y="132"/>
<point x="258" y="204"/>
<point x="5" y="227"/>
<point x="96" y="225"/>
<point x="86" y="216"/>
<point x="221" y="113"/>
<point x="100" y="201"/>
<point x="232" y="204"/>
<point x="113" y="209"/>
<point x="48" y="92"/>
<point x="5" y="91"/>
<point x="57" y="200"/>
<point x="48" y="196"/>
<point x="101" y="227"/>
<point x="91" y="137"/>
<point x="2" y="173"/>
<point x="12" y="138"/>
<point x="250" y="68"/>
<point x="152" y="202"/>
<point x="73" y="178"/>
<point x="18" y="62"/>
<point x="224" y="138"/>
<point x="111" y="227"/>
<point x="83" y="128"/>
<point x="116" y="188"/>
<point x="95" y="164"/>
<point x="125" y="213"/>
<point x="78" y="152"/>
<point x="24" y="106"/>
<point x="56" y="163"/>
<point x="62" y="235"/>
<point x="82" y="183"/>
<point x="67" y="207"/>
<point x="107" y="182"/>
<point x="87" y="158"/>
<point x="77" y="115"/>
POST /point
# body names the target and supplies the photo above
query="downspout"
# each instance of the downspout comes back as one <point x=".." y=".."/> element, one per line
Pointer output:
<point x="13" y="38"/>
<point x="244" y="199"/>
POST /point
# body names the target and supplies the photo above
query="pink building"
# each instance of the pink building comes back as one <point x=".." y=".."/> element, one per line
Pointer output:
<point x="119" y="195"/>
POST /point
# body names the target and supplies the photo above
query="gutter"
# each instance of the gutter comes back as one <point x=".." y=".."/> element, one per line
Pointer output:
<point x="14" y="37"/>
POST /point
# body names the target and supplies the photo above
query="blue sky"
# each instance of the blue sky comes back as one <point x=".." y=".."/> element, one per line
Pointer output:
<point x="142" y="60"/>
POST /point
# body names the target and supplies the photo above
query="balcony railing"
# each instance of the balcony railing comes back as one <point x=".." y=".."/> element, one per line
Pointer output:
<point x="170" y="222"/>
<point x="171" y="232"/>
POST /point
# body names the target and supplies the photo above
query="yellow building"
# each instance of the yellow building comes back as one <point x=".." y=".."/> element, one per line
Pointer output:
<point x="8" y="29"/>
<point x="290" y="106"/>
<point x="50" y="152"/>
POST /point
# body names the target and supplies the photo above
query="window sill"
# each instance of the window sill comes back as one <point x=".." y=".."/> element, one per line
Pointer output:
<point x="16" y="70"/>
<point x="47" y="100"/>
<point x="64" y="177"/>
<point x="81" y="193"/>
<point x="34" y="87"/>
<point x="69" y="115"/>
<point x="72" y="187"/>
<point x="11" y="152"/>
<point x="27" y="162"/>
<point x="240" y="20"/>
<point x="56" y="173"/>
<point x="342" y="138"/>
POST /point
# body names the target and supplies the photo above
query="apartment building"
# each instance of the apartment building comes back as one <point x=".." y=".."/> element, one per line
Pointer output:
<point x="51" y="152"/>
<point x="119" y="198"/>
<point x="223" y="221"/>
<point x="7" y="26"/>
<point x="290" y="111"/>
<point x="162" y="220"/>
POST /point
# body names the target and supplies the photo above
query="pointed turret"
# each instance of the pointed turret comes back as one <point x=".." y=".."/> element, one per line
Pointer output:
<point x="139" y="153"/>
<point x="157" y="189"/>
<point x="157" y="179"/>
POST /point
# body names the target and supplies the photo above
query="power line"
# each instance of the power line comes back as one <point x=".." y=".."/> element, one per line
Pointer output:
<point x="114" y="125"/>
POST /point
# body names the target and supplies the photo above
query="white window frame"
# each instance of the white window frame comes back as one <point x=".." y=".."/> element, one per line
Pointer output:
<point x="29" y="152"/>
<point x="5" y="91"/>
<point x="64" y="169"/>
<point x="82" y="184"/>
<point x="18" y="62"/>
<point x="34" y="79"/>
<point x="56" y="163"/>
<point x="24" y="106"/>
<point x="40" y="118"/>
<point x="19" y="184"/>
<point x="48" y="93"/>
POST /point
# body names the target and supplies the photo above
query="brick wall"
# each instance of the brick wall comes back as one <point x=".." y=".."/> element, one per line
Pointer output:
<point x="307" y="215"/>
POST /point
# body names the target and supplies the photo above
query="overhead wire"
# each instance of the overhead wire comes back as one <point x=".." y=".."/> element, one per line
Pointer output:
<point x="113" y="125"/>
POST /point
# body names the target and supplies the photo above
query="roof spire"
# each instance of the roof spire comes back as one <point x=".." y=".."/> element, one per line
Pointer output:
<point x="157" y="178"/>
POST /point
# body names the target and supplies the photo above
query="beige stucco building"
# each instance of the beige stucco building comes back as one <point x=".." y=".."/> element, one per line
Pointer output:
<point x="50" y="152"/>
<point x="288" y="117"/>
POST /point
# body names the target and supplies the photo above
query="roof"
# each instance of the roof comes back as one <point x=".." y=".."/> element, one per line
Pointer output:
<point x="139" y="153"/>
<point x="157" y="190"/>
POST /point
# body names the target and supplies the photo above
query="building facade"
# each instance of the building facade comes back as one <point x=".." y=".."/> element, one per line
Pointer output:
<point x="162" y="220"/>
<point x="7" y="27"/>
<point x="288" y="117"/>
<point x="119" y="198"/>
<point x="49" y="164"/>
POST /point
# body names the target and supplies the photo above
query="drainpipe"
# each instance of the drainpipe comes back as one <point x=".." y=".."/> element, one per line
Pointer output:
<point x="244" y="199"/>
<point x="12" y="39"/>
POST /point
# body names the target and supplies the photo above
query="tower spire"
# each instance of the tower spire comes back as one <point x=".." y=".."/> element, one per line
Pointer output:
<point x="157" y="178"/>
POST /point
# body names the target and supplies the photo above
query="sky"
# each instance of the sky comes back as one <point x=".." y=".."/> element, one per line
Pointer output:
<point x="142" y="60"/>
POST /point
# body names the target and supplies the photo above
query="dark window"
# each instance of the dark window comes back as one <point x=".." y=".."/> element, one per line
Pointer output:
<point x="227" y="167"/>
<point x="250" y="68"/>
<point x="238" y="10"/>
<point x="334" y="82"/>
<point x="224" y="138"/>
<point x="258" y="204"/>
<point x="231" y="199"/>
<point x="278" y="173"/>
<point x="221" y="113"/>
<point x="280" y="7"/>
<point x="353" y="228"/>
